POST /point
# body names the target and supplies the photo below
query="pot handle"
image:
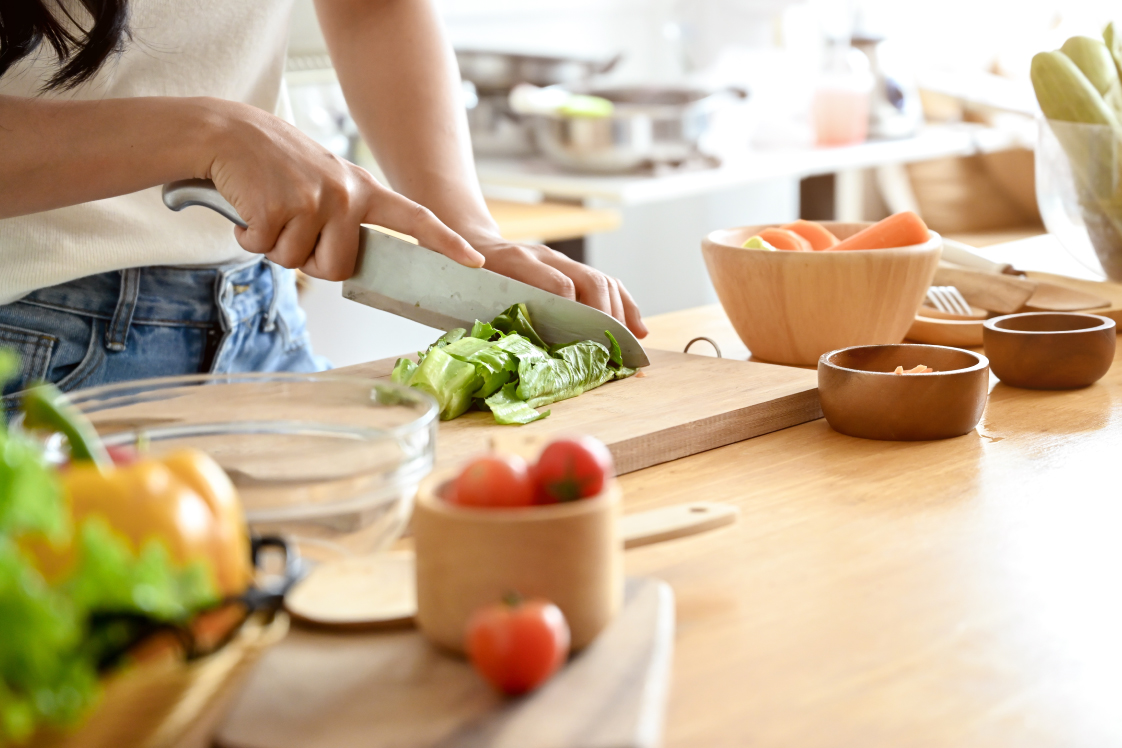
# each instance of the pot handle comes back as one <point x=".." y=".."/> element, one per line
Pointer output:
<point x="607" y="67"/>
<point x="185" y="192"/>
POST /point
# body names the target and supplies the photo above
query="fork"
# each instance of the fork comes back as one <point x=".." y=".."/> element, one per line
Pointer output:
<point x="948" y="300"/>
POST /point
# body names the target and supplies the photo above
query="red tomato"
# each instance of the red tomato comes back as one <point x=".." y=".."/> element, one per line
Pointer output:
<point x="494" y="480"/>
<point x="517" y="645"/>
<point x="123" y="454"/>
<point x="571" y="469"/>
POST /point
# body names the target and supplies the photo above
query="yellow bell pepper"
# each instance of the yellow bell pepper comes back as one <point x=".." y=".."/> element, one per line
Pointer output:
<point x="184" y="499"/>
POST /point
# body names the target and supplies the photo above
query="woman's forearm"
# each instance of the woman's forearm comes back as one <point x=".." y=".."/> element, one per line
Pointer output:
<point x="403" y="90"/>
<point x="59" y="153"/>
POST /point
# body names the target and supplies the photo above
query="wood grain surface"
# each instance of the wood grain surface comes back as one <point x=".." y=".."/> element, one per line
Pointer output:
<point x="681" y="405"/>
<point x="549" y="221"/>
<point x="393" y="690"/>
<point x="960" y="593"/>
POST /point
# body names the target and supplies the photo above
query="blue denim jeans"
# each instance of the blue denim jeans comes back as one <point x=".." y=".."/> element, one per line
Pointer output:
<point x="158" y="321"/>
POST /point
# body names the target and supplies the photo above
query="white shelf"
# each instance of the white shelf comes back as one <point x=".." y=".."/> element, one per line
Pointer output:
<point x="536" y="176"/>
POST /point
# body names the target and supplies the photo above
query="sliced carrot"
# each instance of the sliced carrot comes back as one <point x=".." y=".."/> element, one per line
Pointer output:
<point x="900" y="230"/>
<point x="818" y="235"/>
<point x="784" y="239"/>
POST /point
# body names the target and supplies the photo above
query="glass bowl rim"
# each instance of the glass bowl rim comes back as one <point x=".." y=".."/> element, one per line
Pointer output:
<point x="80" y="398"/>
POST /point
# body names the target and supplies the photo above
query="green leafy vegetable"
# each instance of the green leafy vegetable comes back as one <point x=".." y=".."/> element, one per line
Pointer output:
<point x="55" y="637"/>
<point x="505" y="367"/>
<point x="509" y="410"/>
<point x="517" y="320"/>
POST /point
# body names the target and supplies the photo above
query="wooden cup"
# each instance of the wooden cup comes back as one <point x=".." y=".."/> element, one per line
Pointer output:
<point x="570" y="554"/>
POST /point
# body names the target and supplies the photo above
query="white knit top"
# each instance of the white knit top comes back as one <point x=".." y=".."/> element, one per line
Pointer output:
<point x="232" y="49"/>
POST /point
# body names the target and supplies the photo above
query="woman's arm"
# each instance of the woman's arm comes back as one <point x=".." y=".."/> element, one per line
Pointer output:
<point x="303" y="205"/>
<point x="59" y="153"/>
<point x="403" y="88"/>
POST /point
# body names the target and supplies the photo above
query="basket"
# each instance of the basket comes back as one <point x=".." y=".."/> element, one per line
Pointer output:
<point x="168" y="703"/>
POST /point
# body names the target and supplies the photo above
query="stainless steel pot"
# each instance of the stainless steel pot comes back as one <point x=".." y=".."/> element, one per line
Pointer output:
<point x="651" y="125"/>
<point x="501" y="71"/>
<point x="496" y="130"/>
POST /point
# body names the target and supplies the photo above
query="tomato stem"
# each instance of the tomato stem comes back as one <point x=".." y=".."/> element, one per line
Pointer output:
<point x="512" y="598"/>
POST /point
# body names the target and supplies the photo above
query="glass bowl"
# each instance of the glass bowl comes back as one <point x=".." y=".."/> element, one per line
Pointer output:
<point x="1079" y="191"/>
<point x="330" y="461"/>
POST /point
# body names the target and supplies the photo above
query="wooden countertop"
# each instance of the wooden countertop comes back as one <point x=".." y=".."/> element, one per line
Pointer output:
<point x="549" y="221"/>
<point x="955" y="593"/>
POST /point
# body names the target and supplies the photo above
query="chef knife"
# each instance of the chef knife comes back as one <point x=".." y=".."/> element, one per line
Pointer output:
<point x="410" y="281"/>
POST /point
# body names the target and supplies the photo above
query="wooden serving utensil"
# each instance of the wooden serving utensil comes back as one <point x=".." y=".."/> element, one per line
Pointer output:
<point x="376" y="591"/>
<point x="997" y="293"/>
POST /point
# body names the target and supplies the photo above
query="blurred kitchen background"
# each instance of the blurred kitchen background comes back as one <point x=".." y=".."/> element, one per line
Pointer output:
<point x="727" y="112"/>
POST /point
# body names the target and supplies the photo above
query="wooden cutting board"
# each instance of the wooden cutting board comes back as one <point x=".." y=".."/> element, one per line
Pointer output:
<point x="393" y="690"/>
<point x="681" y="405"/>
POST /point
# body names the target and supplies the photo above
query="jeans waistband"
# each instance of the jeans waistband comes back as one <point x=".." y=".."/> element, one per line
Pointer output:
<point x="159" y="295"/>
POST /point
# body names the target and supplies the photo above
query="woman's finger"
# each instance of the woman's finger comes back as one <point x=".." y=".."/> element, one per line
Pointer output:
<point x="336" y="252"/>
<point x="523" y="265"/>
<point x="616" y="299"/>
<point x="297" y="241"/>
<point x="395" y="212"/>
<point x="591" y="285"/>
<point x="632" y="317"/>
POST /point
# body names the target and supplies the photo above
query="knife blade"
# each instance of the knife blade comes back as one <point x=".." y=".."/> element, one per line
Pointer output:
<point x="425" y="286"/>
<point x="420" y="284"/>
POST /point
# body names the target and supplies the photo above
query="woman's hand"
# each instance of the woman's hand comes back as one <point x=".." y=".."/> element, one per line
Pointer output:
<point x="552" y="271"/>
<point x="303" y="204"/>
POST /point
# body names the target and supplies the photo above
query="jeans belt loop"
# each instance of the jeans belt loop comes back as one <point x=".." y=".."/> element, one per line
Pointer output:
<point x="116" y="336"/>
<point x="274" y="303"/>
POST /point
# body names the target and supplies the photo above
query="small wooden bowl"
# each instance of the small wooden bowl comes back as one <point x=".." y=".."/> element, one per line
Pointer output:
<point x="791" y="307"/>
<point x="1050" y="350"/>
<point x="570" y="554"/>
<point x="861" y="396"/>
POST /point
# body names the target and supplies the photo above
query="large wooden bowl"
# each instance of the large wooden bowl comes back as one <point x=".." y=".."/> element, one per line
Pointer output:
<point x="791" y="307"/>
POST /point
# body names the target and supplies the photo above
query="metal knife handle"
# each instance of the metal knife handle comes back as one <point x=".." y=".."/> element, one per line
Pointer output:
<point x="185" y="192"/>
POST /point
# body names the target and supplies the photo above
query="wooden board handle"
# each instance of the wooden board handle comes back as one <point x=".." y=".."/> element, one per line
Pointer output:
<point x="676" y="521"/>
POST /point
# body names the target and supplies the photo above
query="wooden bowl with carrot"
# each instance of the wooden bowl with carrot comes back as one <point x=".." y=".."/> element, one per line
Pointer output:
<point x="796" y="291"/>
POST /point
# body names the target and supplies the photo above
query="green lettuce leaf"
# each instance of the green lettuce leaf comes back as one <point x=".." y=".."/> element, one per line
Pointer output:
<point x="506" y="368"/>
<point x="484" y="331"/>
<point x="516" y="319"/>
<point x="578" y="367"/>
<point x="447" y="379"/>
<point x="494" y="365"/>
<point x="509" y="410"/>
<point x="446" y="339"/>
<point x="403" y="371"/>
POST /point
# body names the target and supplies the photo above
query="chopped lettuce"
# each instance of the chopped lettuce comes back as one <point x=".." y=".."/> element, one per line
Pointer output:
<point x="509" y="410"/>
<point x="505" y="367"/>
<point x="517" y="320"/>
<point x="447" y="379"/>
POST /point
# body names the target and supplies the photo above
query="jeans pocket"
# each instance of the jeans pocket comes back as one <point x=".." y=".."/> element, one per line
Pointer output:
<point x="34" y="350"/>
<point x="89" y="365"/>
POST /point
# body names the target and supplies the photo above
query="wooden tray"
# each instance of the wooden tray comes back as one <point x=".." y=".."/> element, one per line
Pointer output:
<point x="681" y="405"/>
<point x="968" y="334"/>
<point x="393" y="689"/>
